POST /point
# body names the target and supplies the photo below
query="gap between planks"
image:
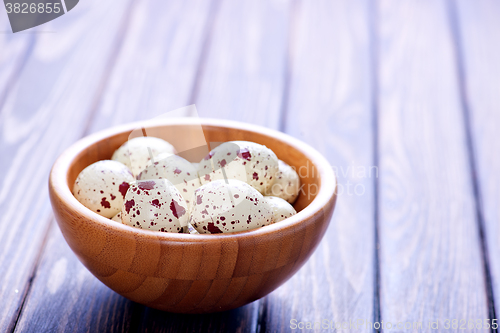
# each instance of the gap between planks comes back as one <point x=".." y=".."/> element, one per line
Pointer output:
<point x="373" y="36"/>
<point x="294" y="9"/>
<point x="456" y="39"/>
<point x="471" y="155"/>
<point x="288" y="60"/>
<point x="27" y="289"/>
<point x="122" y="32"/>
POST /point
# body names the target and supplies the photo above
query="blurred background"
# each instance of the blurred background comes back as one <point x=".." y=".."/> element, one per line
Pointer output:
<point x="402" y="97"/>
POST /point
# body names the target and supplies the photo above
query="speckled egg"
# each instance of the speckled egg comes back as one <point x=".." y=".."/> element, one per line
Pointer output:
<point x="228" y="205"/>
<point x="281" y="208"/>
<point x="117" y="217"/>
<point x="177" y="170"/>
<point x="102" y="186"/>
<point x="250" y="162"/>
<point x="135" y="153"/>
<point x="286" y="185"/>
<point x="155" y="204"/>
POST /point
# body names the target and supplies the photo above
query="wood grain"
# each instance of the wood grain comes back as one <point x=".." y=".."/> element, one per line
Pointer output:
<point x="431" y="260"/>
<point x="15" y="50"/>
<point x="51" y="304"/>
<point x="329" y="107"/>
<point x="479" y="47"/>
<point x="157" y="66"/>
<point x="243" y="75"/>
<point x="46" y="108"/>
<point x="430" y="254"/>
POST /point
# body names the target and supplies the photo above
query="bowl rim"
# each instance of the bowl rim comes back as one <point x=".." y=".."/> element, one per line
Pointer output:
<point x="327" y="180"/>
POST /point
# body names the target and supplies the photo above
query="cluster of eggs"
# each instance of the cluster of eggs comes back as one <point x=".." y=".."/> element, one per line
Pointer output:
<point x="239" y="185"/>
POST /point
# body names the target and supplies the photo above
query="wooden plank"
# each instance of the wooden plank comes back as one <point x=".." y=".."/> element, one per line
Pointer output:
<point x="430" y="254"/>
<point x="16" y="49"/>
<point x="148" y="78"/>
<point x="46" y="108"/>
<point x="329" y="107"/>
<point x="479" y="49"/>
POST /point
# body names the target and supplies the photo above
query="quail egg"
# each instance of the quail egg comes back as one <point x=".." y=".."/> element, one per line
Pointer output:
<point x="102" y="185"/>
<point x="247" y="161"/>
<point x="137" y="152"/>
<point x="228" y="205"/>
<point x="155" y="204"/>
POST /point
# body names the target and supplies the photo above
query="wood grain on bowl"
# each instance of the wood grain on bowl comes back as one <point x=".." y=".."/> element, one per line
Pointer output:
<point x="193" y="273"/>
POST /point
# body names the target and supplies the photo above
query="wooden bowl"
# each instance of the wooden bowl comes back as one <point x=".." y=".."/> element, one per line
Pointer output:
<point x="186" y="273"/>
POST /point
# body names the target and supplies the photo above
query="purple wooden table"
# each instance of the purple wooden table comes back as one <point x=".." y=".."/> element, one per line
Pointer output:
<point x="403" y="97"/>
